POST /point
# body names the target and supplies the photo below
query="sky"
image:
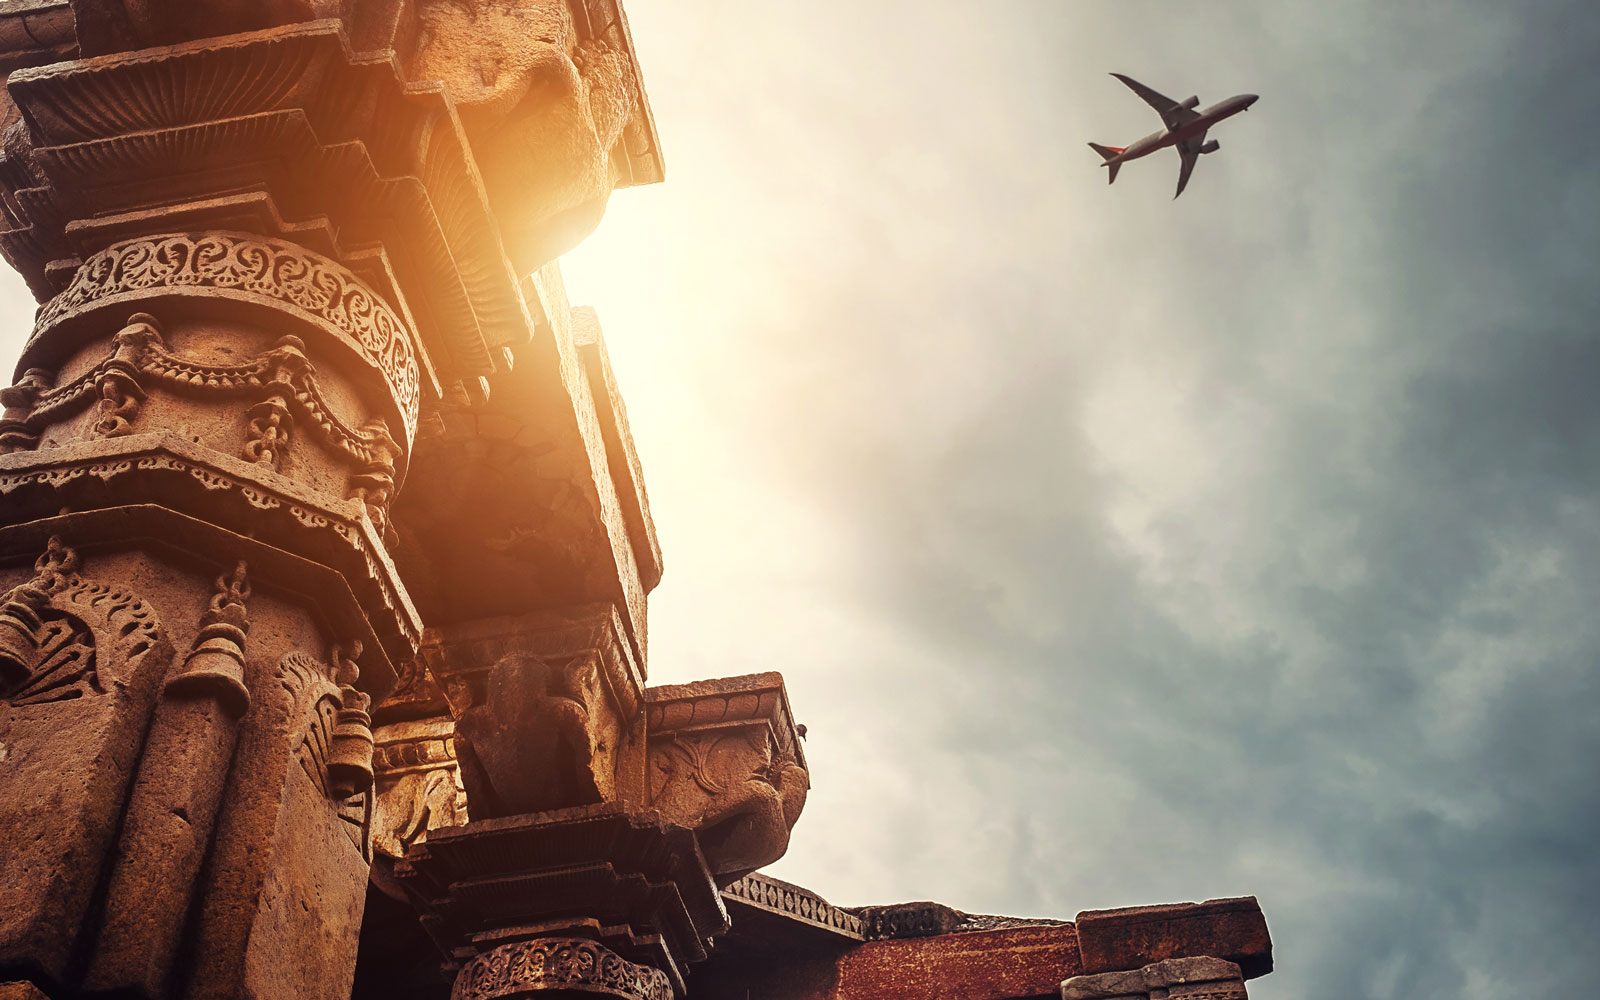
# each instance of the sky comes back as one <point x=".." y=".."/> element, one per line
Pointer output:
<point x="1123" y="550"/>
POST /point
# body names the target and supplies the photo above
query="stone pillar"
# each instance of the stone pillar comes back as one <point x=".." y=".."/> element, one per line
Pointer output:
<point x="199" y="462"/>
<point x="307" y="440"/>
<point x="198" y="457"/>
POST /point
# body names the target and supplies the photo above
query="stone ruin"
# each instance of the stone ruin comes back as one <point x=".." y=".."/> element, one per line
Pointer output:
<point x="325" y="553"/>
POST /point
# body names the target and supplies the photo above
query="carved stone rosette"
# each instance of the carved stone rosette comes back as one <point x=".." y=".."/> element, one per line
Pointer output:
<point x="523" y="967"/>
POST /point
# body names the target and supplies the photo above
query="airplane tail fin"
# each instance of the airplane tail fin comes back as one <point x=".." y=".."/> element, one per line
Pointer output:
<point x="1110" y="154"/>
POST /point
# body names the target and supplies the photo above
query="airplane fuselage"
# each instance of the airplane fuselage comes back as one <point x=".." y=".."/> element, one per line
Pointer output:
<point x="1218" y="112"/>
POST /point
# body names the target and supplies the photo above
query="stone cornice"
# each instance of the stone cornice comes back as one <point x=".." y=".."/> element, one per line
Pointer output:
<point x="783" y="899"/>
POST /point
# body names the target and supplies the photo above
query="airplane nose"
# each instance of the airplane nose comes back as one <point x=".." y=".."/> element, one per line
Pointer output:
<point x="1250" y="99"/>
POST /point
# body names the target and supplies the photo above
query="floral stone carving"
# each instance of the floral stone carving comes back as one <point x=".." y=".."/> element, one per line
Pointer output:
<point x="558" y="964"/>
<point x="229" y="265"/>
<point x="725" y="760"/>
<point x="419" y="783"/>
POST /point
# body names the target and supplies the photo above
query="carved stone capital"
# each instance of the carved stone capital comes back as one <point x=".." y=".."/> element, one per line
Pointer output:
<point x="547" y="709"/>
<point x="634" y="884"/>
<point x="514" y="970"/>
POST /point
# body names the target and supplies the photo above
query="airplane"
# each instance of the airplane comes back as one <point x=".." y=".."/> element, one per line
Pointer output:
<point x="1185" y="131"/>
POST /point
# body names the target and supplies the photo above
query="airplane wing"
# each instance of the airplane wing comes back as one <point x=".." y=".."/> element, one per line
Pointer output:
<point x="1188" y="153"/>
<point x="1171" y="112"/>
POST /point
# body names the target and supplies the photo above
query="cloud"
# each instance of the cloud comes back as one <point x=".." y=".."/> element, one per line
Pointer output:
<point x="1163" y="550"/>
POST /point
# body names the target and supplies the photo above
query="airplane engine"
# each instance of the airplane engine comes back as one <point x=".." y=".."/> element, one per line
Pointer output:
<point x="1211" y="147"/>
<point x="1191" y="102"/>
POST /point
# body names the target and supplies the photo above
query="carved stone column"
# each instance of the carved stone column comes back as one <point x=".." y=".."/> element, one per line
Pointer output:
<point x="211" y="418"/>
<point x="290" y="255"/>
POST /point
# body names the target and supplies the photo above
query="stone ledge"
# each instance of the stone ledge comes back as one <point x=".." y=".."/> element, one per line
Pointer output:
<point x="1198" y="978"/>
<point x="1231" y="929"/>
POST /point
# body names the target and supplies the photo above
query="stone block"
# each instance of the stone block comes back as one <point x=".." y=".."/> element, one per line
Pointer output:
<point x="1197" y="978"/>
<point x="1133" y="937"/>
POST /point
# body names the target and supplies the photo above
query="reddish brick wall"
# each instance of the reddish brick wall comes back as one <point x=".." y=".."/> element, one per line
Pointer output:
<point x="976" y="965"/>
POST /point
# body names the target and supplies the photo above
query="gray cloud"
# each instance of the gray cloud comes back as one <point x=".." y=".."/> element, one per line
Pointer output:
<point x="1226" y="545"/>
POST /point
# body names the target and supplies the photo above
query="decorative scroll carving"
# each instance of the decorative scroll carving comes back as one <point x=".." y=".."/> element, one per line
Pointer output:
<point x="731" y="789"/>
<point x="222" y="262"/>
<point x="283" y="376"/>
<point x="725" y="761"/>
<point x="24" y="658"/>
<point x="47" y="645"/>
<point x="418" y="782"/>
<point x="558" y="964"/>
<point x="335" y="720"/>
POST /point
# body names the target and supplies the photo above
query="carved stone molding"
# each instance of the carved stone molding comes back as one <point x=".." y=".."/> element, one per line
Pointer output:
<point x="229" y="265"/>
<point x="1196" y="978"/>
<point x="282" y="379"/>
<point x="558" y="964"/>
<point x="36" y="484"/>
<point x="774" y="896"/>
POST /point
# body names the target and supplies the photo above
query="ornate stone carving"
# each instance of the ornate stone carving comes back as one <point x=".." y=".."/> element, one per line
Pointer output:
<point x="535" y="742"/>
<point x="558" y="964"/>
<point x="83" y="663"/>
<point x="725" y="761"/>
<point x="774" y="896"/>
<point x="277" y="509"/>
<point x="215" y="665"/>
<point x="336" y="751"/>
<point x="546" y="707"/>
<point x="418" y="783"/>
<point x="228" y="265"/>
<point x="44" y="655"/>
<point x="282" y="376"/>
<point x="47" y="647"/>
